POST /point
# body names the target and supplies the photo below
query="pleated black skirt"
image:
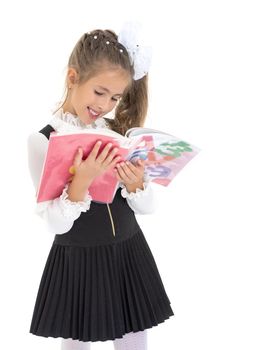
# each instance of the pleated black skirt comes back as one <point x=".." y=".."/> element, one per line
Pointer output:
<point x="96" y="285"/>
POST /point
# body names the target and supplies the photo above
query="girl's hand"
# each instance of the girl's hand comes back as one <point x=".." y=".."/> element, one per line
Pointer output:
<point x="95" y="164"/>
<point x="131" y="175"/>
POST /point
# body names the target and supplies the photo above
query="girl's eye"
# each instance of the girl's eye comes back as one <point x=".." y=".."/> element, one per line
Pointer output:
<point x="101" y="93"/>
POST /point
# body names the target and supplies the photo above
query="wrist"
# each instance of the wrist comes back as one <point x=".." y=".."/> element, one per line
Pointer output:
<point x="132" y="187"/>
<point x="78" y="189"/>
<point x="81" y="181"/>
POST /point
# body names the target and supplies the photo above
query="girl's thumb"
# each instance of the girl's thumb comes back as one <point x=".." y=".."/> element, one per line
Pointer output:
<point x="78" y="156"/>
<point x="141" y="162"/>
<point x="76" y="162"/>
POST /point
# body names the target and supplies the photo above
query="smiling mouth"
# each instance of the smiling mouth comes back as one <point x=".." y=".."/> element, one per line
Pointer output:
<point x="93" y="114"/>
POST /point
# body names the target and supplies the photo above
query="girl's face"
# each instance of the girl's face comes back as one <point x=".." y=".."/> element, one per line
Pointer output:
<point x="97" y="96"/>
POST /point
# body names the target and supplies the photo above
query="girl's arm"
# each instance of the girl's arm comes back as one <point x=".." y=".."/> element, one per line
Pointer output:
<point x="60" y="213"/>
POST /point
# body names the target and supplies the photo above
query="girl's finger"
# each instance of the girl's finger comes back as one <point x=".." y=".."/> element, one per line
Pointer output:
<point x="94" y="152"/>
<point x="128" y="173"/>
<point x="122" y="174"/>
<point x="111" y="156"/>
<point x="133" y="176"/>
<point x="113" y="163"/>
<point x="104" y="153"/>
<point x="141" y="162"/>
<point x="137" y="171"/>
<point x="131" y="166"/>
<point x="117" y="175"/>
<point x="78" y="158"/>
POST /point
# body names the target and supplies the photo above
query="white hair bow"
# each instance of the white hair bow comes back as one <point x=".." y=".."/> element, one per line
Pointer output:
<point x="140" y="56"/>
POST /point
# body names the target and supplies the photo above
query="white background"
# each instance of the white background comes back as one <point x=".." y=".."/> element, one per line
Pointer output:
<point x="205" y="87"/>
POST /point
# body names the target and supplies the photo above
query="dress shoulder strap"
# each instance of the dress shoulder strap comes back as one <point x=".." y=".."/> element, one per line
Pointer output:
<point x="47" y="130"/>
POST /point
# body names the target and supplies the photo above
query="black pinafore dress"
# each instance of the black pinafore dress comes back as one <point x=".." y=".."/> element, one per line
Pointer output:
<point x="100" y="280"/>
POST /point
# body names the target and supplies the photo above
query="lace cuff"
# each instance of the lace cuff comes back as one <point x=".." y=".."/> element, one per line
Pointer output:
<point x="73" y="209"/>
<point x="139" y="192"/>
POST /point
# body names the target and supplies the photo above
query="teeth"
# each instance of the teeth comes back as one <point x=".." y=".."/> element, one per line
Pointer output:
<point x="93" y="112"/>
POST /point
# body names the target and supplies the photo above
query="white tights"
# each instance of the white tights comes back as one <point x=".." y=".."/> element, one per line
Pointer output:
<point x="130" y="341"/>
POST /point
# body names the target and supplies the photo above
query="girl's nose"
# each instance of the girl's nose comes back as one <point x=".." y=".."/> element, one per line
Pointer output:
<point x="105" y="105"/>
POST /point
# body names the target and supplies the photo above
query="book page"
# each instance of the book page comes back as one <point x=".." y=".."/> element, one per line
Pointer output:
<point x="164" y="154"/>
<point x="110" y="135"/>
<point x="144" y="131"/>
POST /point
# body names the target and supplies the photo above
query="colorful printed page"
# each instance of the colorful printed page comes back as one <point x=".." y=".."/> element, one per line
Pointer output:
<point x="164" y="154"/>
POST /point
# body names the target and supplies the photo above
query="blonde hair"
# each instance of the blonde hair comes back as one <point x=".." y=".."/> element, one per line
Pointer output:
<point x="99" y="49"/>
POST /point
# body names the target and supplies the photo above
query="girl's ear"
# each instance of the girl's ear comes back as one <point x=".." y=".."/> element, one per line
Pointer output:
<point x="72" y="76"/>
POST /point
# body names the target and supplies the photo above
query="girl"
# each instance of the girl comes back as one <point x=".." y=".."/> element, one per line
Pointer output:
<point x="100" y="281"/>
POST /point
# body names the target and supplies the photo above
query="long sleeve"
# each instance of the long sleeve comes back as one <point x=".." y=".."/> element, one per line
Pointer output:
<point x="141" y="201"/>
<point x="59" y="214"/>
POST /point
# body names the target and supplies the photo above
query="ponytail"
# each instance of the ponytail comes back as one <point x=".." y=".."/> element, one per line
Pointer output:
<point x="132" y="109"/>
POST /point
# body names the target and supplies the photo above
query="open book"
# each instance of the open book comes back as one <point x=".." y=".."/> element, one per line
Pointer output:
<point x="164" y="155"/>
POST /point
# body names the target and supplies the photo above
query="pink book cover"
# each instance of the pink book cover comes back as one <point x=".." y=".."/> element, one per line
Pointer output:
<point x="59" y="159"/>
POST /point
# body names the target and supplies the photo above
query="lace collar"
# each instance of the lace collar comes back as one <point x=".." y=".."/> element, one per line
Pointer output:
<point x="65" y="121"/>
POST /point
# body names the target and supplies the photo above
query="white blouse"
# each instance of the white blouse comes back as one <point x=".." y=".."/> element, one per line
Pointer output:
<point x="59" y="214"/>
